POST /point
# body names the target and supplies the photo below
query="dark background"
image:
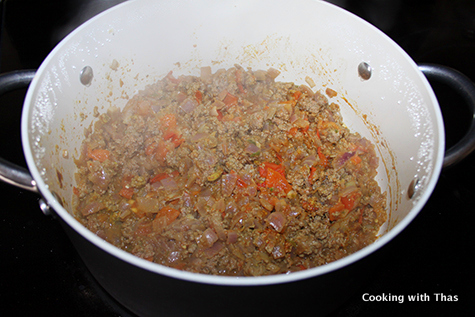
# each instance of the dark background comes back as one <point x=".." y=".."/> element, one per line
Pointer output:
<point x="41" y="273"/>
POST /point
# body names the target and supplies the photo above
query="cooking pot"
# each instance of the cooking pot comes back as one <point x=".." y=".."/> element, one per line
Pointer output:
<point x="382" y="94"/>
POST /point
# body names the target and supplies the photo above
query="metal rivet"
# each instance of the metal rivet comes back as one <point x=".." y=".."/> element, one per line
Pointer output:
<point x="45" y="208"/>
<point x="364" y="70"/>
<point x="86" y="76"/>
<point x="413" y="187"/>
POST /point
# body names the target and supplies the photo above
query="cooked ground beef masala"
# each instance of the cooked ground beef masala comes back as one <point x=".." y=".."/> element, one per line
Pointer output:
<point x="231" y="173"/>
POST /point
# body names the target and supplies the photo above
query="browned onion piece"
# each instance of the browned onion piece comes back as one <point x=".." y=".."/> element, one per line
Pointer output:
<point x="310" y="160"/>
<point x="198" y="136"/>
<point x="341" y="160"/>
<point x="277" y="221"/>
<point x="272" y="73"/>
<point x="92" y="208"/>
<point x="147" y="204"/>
<point x="348" y="190"/>
<point x="252" y="148"/>
<point x="232" y="237"/>
<point x="98" y="176"/>
<point x="214" y="249"/>
<point x="207" y="239"/>
<point x="228" y="183"/>
<point x="169" y="184"/>
<point x="189" y="105"/>
<point x="293" y="118"/>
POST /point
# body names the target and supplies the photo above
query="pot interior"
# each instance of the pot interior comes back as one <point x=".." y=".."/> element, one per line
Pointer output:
<point x="138" y="42"/>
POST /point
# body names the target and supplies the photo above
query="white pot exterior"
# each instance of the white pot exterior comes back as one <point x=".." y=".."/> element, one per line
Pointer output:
<point x="396" y="108"/>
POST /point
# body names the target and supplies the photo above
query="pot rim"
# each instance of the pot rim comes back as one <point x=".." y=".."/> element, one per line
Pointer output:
<point x="213" y="279"/>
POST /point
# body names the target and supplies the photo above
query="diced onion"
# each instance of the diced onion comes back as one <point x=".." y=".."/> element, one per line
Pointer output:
<point x="189" y="105"/>
<point x="293" y="118"/>
<point x="273" y="73"/>
<point x="341" y="160"/>
<point x="232" y="237"/>
<point x="206" y="73"/>
<point x="169" y="184"/>
<point x="277" y="221"/>
<point x="214" y="249"/>
<point x="252" y="148"/>
<point x="147" y="204"/>
<point x="348" y="190"/>
<point x="310" y="160"/>
<point x="92" y="208"/>
<point x="210" y="236"/>
<point x="198" y="136"/>
<point x="228" y="183"/>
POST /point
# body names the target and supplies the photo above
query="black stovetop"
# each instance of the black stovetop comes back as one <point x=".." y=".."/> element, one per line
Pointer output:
<point x="41" y="273"/>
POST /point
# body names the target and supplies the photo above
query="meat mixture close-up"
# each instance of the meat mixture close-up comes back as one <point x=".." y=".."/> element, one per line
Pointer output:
<point x="229" y="173"/>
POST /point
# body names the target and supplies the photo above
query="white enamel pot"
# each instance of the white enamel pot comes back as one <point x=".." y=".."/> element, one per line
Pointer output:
<point x="382" y="93"/>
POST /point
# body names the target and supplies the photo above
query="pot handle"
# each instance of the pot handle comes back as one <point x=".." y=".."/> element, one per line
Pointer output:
<point x="466" y="88"/>
<point x="11" y="173"/>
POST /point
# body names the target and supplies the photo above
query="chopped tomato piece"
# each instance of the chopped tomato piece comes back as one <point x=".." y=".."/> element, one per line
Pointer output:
<point x="301" y="267"/>
<point x="149" y="150"/>
<point x="230" y="99"/>
<point x="276" y="167"/>
<point x="312" y="173"/>
<point x="169" y="135"/>
<point x="198" y="96"/>
<point x="323" y="126"/>
<point x="275" y="180"/>
<point x="158" y="177"/>
<point x="293" y="131"/>
<point x="165" y="217"/>
<point x="176" y="142"/>
<point x="173" y="137"/>
<point x="262" y="171"/>
<point x="168" y="121"/>
<point x="169" y="213"/>
<point x="288" y="102"/>
<point x="99" y="155"/>
<point x="347" y="203"/>
<point x="143" y="228"/>
<point x="297" y="94"/>
<point x="350" y="200"/>
<point x="220" y="115"/>
<point x="323" y="158"/>
<point x="126" y="192"/>
<point x="240" y="182"/>
<point x="318" y="134"/>
<point x="161" y="176"/>
<point x="338" y="207"/>
<point x="355" y="159"/>
<point x="161" y="150"/>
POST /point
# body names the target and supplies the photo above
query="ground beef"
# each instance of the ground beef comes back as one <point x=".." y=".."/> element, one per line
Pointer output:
<point x="230" y="173"/>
